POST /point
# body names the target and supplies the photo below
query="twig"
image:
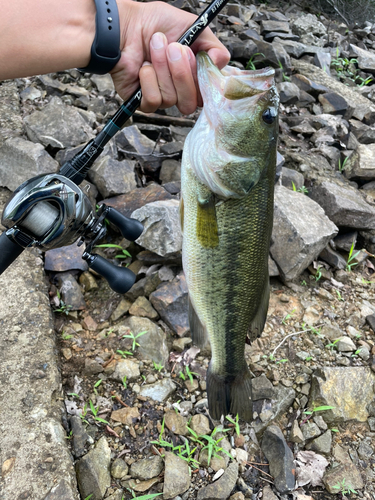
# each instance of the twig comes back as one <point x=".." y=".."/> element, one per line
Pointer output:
<point x="260" y="470"/>
<point x="118" y="399"/>
<point x="107" y="362"/>
<point x="291" y="335"/>
<point x="111" y="431"/>
<point x="162" y="119"/>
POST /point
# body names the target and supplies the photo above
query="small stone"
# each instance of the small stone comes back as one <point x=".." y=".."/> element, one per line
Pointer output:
<point x="140" y="486"/>
<point x="365" y="451"/>
<point x="181" y="344"/>
<point x="121" y="309"/>
<point x="89" y="324"/>
<point x="113" y="177"/>
<point x="176" y="423"/>
<point x="8" y="466"/>
<point x="159" y="391"/>
<point x="268" y="494"/>
<point x="142" y="307"/>
<point x="67" y="353"/>
<point x="88" y="281"/>
<point x="237" y="496"/>
<point x="126" y="416"/>
<point x="93" y="474"/>
<point x="262" y="388"/>
<point x="191" y="386"/>
<point x="341" y="455"/>
<point x="319" y="420"/>
<point x="200" y="424"/>
<point x="146" y="468"/>
<point x="126" y="368"/>
<point x="321" y="444"/>
<point x="176" y="476"/>
<point x="65" y="258"/>
<point x="296" y="435"/>
<point x="71" y="292"/>
<point x="310" y="430"/>
<point x="119" y="468"/>
<point x="345" y="344"/>
<point x="280" y="459"/>
<point x="220" y="489"/>
<point x="348" y="473"/>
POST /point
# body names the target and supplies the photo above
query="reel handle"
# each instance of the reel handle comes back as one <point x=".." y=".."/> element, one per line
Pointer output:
<point x="9" y="251"/>
<point x="120" y="279"/>
<point x="131" y="229"/>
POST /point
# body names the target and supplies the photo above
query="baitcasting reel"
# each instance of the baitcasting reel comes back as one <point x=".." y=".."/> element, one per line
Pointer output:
<point x="50" y="211"/>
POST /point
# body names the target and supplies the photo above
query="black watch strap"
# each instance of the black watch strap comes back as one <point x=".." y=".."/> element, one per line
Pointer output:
<point x="105" y="50"/>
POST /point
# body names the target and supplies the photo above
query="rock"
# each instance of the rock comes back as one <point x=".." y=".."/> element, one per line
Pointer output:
<point x="119" y="468"/>
<point x="71" y="293"/>
<point x="121" y="309"/>
<point x="125" y="368"/>
<point x="292" y="47"/>
<point x="113" y="177"/>
<point x="103" y="83"/>
<point x="280" y="459"/>
<point x="127" y="415"/>
<point x="144" y="287"/>
<point x="220" y="489"/>
<point x="141" y="486"/>
<point x="80" y="436"/>
<point x="147" y="468"/>
<point x="171" y="302"/>
<point x="296" y="435"/>
<point x="176" y="476"/>
<point x="268" y="494"/>
<point x="176" y="423"/>
<point x="200" y="424"/>
<point x="341" y="455"/>
<point x="306" y="24"/>
<point x="308" y="85"/>
<point x="159" y="391"/>
<point x="333" y="258"/>
<point x="262" y="388"/>
<point x="370" y="320"/>
<point x="57" y="125"/>
<point x="365" y="451"/>
<point x="335" y="104"/>
<point x="347" y="389"/>
<point x="152" y="344"/>
<point x="88" y="281"/>
<point x="10" y="115"/>
<point x="347" y="473"/>
<point x="345" y="241"/>
<point x="181" y="344"/>
<point x="127" y="203"/>
<point x="290" y="177"/>
<point x="142" y="307"/>
<point x="131" y="140"/>
<point x="93" y="471"/>
<point x="269" y="26"/>
<point x="344" y="205"/>
<point x="274" y="54"/>
<point x="322" y="60"/>
<point x="161" y="220"/>
<point x="300" y="232"/>
<point x="170" y="171"/>
<point x="363" y="133"/>
<point x="65" y="258"/>
<point x="365" y="58"/>
<point x="239" y="496"/>
<point x="20" y="160"/>
<point x="345" y="344"/>
<point x="360" y="165"/>
<point x="289" y="93"/>
<point x="310" y="430"/>
<point x="283" y="399"/>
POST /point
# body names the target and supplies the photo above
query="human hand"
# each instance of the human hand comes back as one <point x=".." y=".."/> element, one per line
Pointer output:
<point x="150" y="57"/>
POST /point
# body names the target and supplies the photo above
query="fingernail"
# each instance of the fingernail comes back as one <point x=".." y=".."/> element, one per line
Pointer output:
<point x="157" y="41"/>
<point x="174" y="52"/>
<point x="188" y="53"/>
<point x="146" y="63"/>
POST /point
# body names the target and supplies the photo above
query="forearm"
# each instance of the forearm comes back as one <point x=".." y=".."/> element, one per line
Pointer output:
<point x="45" y="36"/>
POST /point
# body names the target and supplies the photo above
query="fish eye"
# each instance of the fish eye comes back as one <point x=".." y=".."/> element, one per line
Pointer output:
<point x="269" y="116"/>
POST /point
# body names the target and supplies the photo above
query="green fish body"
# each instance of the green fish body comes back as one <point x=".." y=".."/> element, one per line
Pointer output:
<point x="227" y="186"/>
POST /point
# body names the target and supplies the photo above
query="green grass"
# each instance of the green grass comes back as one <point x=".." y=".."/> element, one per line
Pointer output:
<point x="134" y="338"/>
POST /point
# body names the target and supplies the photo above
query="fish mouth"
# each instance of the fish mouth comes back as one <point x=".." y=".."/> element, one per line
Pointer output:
<point x="235" y="83"/>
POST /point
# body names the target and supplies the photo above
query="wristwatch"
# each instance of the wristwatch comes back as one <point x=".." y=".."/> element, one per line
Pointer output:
<point x="105" y="50"/>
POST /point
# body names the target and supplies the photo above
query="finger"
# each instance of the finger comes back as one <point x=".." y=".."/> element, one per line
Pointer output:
<point x="158" y="48"/>
<point x="179" y="65"/>
<point x="193" y="68"/>
<point x="151" y="95"/>
<point x="208" y="42"/>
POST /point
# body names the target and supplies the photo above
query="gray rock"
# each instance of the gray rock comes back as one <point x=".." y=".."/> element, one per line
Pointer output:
<point x="347" y="473"/>
<point x="119" y="468"/>
<point x="308" y="23"/>
<point x="71" y="292"/>
<point x="289" y="93"/>
<point x="80" y="436"/>
<point x="162" y="233"/>
<point x="143" y="308"/>
<point x="131" y="140"/>
<point x="103" y="83"/>
<point x="63" y="491"/>
<point x="360" y="165"/>
<point x="322" y="60"/>
<point x="262" y="388"/>
<point x="176" y="423"/>
<point x="20" y="160"/>
<point x="365" y="58"/>
<point x="113" y="177"/>
<point x="274" y="54"/>
<point x="344" y="205"/>
<point x="11" y="123"/>
<point x="176" y="476"/>
<point x="57" y="125"/>
<point x="345" y="241"/>
<point x="147" y="468"/>
<point x="170" y="171"/>
<point x="310" y="430"/>
<point x="290" y="177"/>
<point x="65" y="258"/>
<point x="93" y="474"/>
<point x="222" y="488"/>
<point x="292" y="47"/>
<point x="345" y="344"/>
<point x="126" y="368"/>
<point x="30" y="93"/>
<point x="200" y="424"/>
<point x="347" y="389"/>
<point x="272" y="410"/>
<point x="296" y="435"/>
<point x="280" y="459"/>
<point x="144" y="287"/>
<point x="159" y="391"/>
<point x="335" y="104"/>
<point x="152" y="344"/>
<point x="334" y="259"/>
<point x="268" y="26"/>
<point x="365" y="451"/>
<point x="362" y="132"/>
<point x="300" y="232"/>
<point x="171" y="302"/>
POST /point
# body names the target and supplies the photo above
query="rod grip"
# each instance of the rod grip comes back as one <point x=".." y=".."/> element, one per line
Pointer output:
<point x="9" y="251"/>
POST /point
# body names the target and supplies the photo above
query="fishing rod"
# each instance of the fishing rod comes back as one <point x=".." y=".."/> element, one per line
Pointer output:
<point x="50" y="211"/>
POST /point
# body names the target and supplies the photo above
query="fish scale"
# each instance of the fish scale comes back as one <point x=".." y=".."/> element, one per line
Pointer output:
<point x="226" y="234"/>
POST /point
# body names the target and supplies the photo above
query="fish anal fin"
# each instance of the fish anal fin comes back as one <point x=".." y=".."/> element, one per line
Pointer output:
<point x="207" y="231"/>
<point x="230" y="394"/>
<point x="257" y="324"/>
<point x="197" y="330"/>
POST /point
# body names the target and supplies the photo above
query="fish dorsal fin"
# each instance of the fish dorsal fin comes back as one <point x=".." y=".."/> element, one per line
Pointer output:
<point x="198" y="332"/>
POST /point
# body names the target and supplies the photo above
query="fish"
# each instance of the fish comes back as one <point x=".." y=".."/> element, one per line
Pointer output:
<point x="226" y="214"/>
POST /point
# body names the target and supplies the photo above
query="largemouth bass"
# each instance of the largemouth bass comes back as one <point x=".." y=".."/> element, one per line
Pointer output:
<point x="227" y="186"/>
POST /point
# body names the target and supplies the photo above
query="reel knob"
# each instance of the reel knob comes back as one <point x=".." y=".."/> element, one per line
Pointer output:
<point x="131" y="229"/>
<point x="120" y="279"/>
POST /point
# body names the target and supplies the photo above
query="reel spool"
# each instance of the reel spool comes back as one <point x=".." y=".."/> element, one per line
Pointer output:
<point x="50" y="211"/>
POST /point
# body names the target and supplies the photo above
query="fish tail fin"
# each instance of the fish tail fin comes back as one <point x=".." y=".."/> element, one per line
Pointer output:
<point x="230" y="394"/>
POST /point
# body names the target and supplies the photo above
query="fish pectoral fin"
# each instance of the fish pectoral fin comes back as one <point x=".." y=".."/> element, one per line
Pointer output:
<point x="257" y="324"/>
<point x="197" y="330"/>
<point x="207" y="231"/>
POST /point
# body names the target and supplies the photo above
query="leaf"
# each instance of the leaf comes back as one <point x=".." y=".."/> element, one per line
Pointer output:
<point x="310" y="468"/>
